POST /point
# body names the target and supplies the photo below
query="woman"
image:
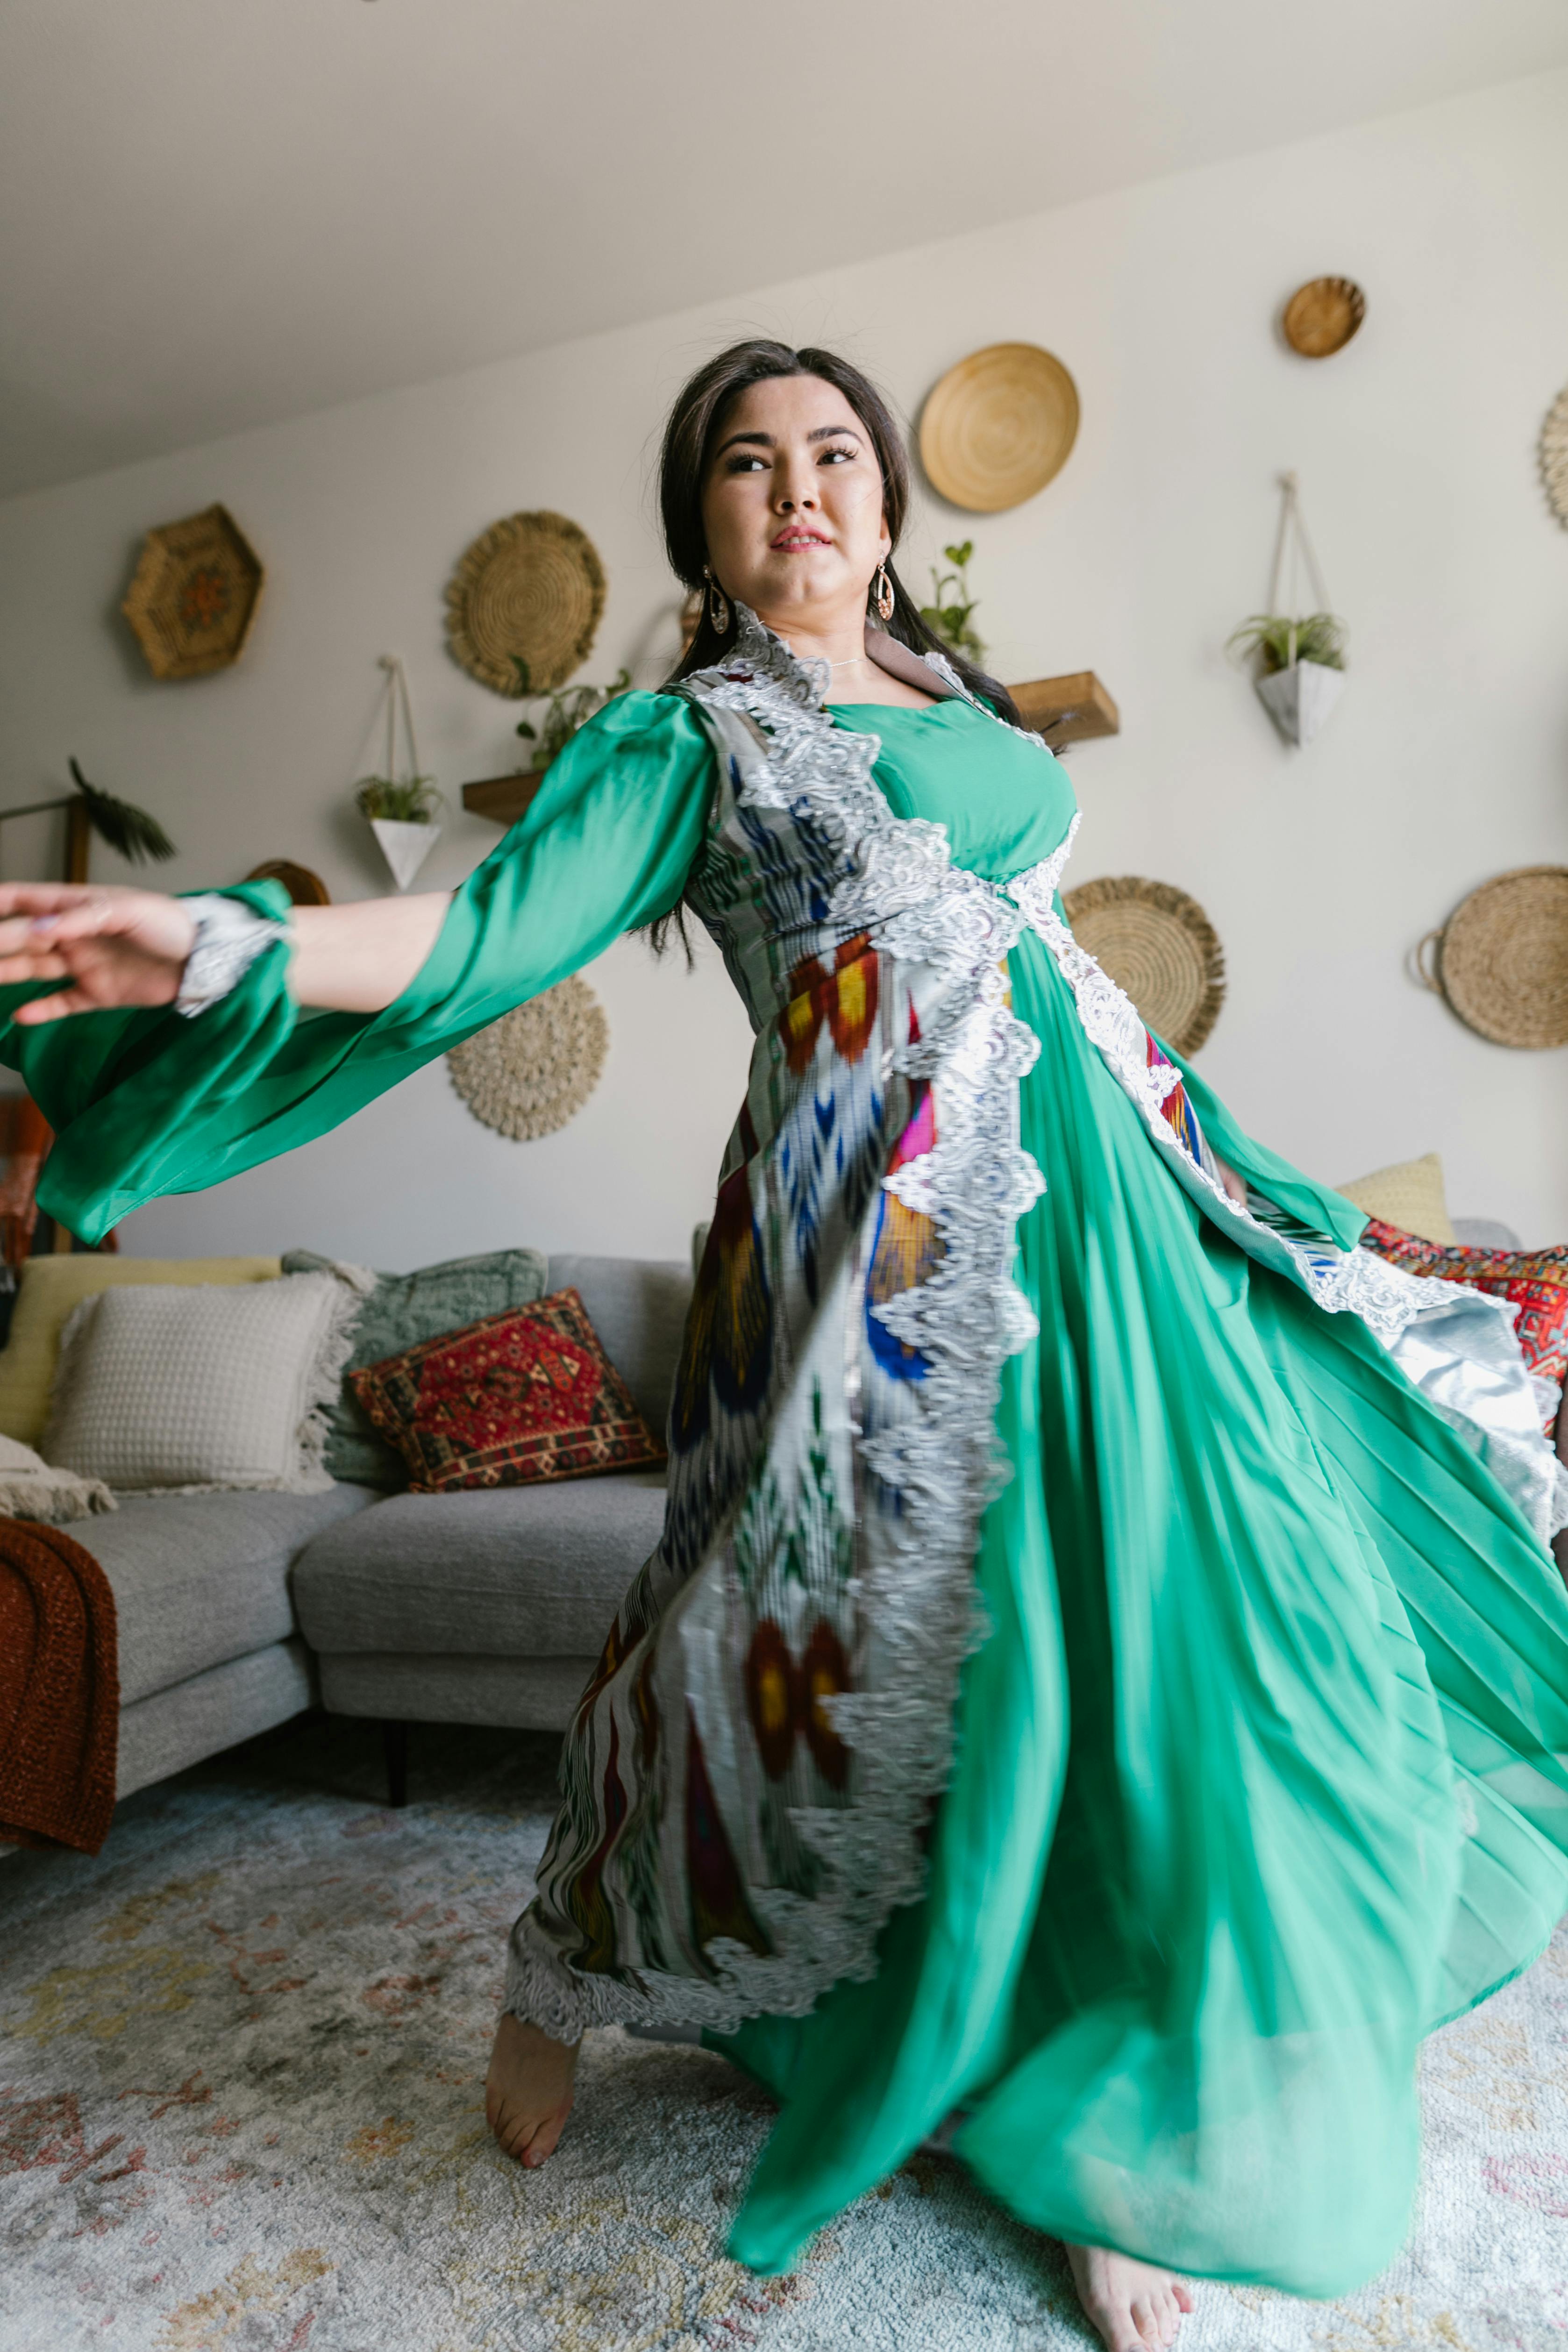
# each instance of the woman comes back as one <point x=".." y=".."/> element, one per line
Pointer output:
<point x="1101" y="1688"/>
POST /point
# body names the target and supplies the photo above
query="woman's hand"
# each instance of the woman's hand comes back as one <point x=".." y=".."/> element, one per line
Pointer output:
<point x="116" y="946"/>
<point x="1234" y="1184"/>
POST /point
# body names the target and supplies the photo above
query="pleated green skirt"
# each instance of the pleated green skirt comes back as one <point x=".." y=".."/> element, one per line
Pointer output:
<point x="1260" y="1770"/>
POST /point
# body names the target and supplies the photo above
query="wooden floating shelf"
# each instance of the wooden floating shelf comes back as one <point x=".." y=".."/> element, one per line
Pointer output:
<point x="503" y="798"/>
<point x="1067" y="710"/>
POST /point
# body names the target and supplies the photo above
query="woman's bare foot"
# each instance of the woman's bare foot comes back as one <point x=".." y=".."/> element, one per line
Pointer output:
<point x="528" y="2091"/>
<point x="1131" y="2305"/>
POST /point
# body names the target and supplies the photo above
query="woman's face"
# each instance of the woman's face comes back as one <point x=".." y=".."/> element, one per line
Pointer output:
<point x="793" y="504"/>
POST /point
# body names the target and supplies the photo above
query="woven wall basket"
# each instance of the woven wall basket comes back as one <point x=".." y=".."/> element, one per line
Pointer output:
<point x="534" y="1069"/>
<point x="1554" y="456"/>
<point x="1501" y="958"/>
<point x="1159" y="947"/>
<point x="532" y="587"/>
<point x="194" y="594"/>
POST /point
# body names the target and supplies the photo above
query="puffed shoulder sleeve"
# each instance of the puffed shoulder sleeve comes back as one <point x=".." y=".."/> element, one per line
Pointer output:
<point x="153" y="1102"/>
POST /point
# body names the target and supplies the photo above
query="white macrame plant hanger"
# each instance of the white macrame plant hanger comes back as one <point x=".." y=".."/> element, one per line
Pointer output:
<point x="1299" y="698"/>
<point x="403" y="846"/>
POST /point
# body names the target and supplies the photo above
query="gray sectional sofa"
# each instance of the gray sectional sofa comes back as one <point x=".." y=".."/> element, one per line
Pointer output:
<point x="238" y="1610"/>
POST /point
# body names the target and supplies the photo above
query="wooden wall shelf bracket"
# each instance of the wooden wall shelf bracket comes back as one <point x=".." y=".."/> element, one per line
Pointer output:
<point x="1068" y="709"/>
<point x="502" y="798"/>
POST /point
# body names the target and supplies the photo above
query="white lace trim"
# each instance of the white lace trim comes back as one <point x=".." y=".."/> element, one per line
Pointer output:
<point x="900" y="885"/>
<point x="230" y="935"/>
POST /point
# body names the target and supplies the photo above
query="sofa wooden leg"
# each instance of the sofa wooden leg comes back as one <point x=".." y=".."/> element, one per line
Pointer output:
<point x="395" y="1747"/>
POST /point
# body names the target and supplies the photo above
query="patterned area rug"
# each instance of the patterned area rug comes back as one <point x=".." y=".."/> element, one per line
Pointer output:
<point x="241" y="2066"/>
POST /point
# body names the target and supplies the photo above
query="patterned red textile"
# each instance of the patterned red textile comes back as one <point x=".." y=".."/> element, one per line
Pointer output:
<point x="524" y="1395"/>
<point x="1536" y="1281"/>
<point x="59" y="1691"/>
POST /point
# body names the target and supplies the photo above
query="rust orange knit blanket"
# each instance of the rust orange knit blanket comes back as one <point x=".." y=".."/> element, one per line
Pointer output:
<point x="59" y="1691"/>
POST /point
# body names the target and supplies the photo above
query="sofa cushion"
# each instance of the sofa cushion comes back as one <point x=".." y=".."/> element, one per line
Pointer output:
<point x="399" y="1310"/>
<point x="638" y="1306"/>
<point x="515" y="1400"/>
<point x="200" y="1578"/>
<point x="511" y="1571"/>
<point x="53" y="1286"/>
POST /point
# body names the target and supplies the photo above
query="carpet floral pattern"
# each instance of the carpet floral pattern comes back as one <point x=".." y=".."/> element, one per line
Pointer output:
<point x="241" y="2110"/>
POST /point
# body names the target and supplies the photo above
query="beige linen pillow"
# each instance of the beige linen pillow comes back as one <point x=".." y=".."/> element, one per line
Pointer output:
<point x="1409" y="1195"/>
<point x="167" y="1390"/>
<point x="52" y="1286"/>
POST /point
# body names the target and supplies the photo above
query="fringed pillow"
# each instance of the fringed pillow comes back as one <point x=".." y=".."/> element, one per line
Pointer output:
<point x="516" y="1398"/>
<point x="166" y="1391"/>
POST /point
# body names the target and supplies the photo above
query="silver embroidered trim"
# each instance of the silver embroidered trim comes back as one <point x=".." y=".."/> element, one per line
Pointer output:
<point x="230" y="935"/>
<point x="900" y="885"/>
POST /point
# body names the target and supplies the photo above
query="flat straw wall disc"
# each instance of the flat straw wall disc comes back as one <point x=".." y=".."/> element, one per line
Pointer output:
<point x="532" y="587"/>
<point x="534" y="1069"/>
<point x="1160" y="949"/>
<point x="1555" y="455"/>
<point x="1504" y="958"/>
<point x="998" y="426"/>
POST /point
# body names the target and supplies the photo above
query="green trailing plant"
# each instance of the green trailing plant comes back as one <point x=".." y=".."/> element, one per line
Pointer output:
<point x="948" y="615"/>
<point x="413" y="802"/>
<point x="566" y="709"/>
<point x="1278" y="642"/>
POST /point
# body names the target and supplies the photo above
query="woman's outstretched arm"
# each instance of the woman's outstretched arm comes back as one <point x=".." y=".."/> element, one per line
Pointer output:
<point x="116" y="947"/>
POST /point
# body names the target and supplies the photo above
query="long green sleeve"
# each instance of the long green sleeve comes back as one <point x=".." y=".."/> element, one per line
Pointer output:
<point x="153" y="1102"/>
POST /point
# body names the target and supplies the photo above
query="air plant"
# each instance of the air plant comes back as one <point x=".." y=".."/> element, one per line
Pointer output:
<point x="565" y="711"/>
<point x="130" y="831"/>
<point x="1280" y="643"/>
<point x="415" y="801"/>
<point x="947" y="616"/>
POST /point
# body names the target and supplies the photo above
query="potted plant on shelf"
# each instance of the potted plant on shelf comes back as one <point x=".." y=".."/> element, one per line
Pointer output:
<point x="948" y="615"/>
<point x="504" y="799"/>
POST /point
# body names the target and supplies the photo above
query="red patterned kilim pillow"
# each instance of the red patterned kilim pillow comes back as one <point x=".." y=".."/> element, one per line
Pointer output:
<point x="1536" y="1281"/>
<point x="518" y="1397"/>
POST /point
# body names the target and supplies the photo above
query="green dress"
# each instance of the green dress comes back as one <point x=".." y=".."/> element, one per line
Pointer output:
<point x="1259" y="1764"/>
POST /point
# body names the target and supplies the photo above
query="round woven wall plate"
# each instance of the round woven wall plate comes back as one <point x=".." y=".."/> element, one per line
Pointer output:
<point x="1504" y="958"/>
<point x="1158" y="947"/>
<point x="998" y="426"/>
<point x="534" y="1069"/>
<point x="1555" y="455"/>
<point x="1321" y="316"/>
<point x="532" y="586"/>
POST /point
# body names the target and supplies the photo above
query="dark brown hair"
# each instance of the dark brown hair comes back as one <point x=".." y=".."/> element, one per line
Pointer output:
<point x="701" y="408"/>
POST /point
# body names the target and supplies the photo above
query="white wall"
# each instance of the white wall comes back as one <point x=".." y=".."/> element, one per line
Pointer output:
<point x="1446" y="762"/>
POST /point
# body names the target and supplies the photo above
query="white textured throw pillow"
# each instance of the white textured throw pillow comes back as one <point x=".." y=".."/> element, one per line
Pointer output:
<point x="173" y="1390"/>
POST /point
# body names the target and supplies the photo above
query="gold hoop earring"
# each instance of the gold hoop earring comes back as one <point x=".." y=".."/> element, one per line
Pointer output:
<point x="718" y="604"/>
<point x="882" y="593"/>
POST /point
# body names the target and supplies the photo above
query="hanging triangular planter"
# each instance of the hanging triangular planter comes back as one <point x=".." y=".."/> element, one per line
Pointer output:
<point x="1300" y="700"/>
<point x="405" y="846"/>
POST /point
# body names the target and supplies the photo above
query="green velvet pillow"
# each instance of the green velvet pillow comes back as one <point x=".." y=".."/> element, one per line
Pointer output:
<point x="401" y="1310"/>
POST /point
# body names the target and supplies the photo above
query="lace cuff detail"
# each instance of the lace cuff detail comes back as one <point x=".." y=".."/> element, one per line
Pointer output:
<point x="230" y="935"/>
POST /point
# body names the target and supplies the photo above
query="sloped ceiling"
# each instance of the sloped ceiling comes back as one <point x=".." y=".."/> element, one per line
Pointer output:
<point x="216" y="213"/>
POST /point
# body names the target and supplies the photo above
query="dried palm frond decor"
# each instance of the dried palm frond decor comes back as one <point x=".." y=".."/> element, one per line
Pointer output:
<point x="400" y="810"/>
<point x="1298" y="658"/>
<point x="128" y="830"/>
<point x="534" y="1069"/>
